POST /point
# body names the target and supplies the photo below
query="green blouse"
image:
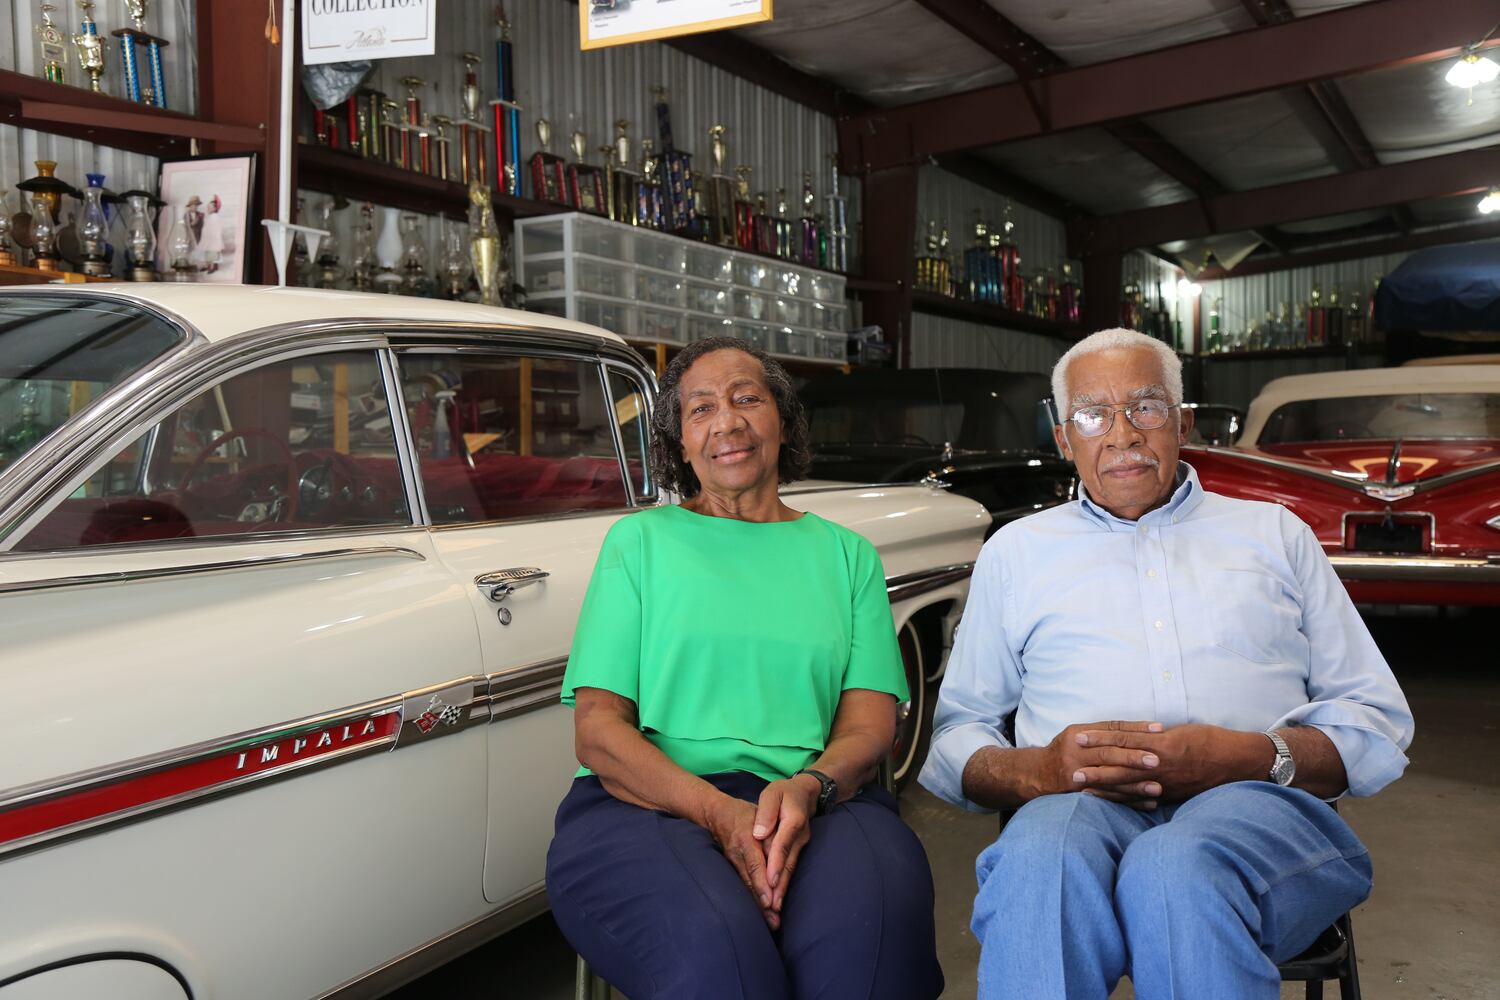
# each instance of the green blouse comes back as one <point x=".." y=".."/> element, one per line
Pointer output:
<point x="735" y="639"/>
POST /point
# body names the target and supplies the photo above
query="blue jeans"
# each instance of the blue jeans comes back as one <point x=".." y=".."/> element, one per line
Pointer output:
<point x="1201" y="899"/>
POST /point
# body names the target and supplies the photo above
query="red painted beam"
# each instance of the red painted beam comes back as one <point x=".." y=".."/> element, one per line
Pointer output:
<point x="1370" y="36"/>
<point x="1466" y="233"/>
<point x="1237" y="211"/>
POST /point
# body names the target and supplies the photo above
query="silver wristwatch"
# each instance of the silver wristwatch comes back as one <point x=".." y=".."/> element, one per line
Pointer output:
<point x="1284" y="769"/>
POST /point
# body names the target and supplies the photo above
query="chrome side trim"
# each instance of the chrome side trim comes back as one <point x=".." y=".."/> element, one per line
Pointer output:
<point x="227" y="566"/>
<point x="513" y="692"/>
<point x="199" y="542"/>
<point x="1431" y="569"/>
<point x="466" y="696"/>
<point x="538" y="519"/>
<point x="614" y="434"/>
<point x="424" y="958"/>
<point x="909" y="585"/>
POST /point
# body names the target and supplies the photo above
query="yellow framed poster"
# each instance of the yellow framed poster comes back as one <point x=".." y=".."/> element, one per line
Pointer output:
<point x="622" y="22"/>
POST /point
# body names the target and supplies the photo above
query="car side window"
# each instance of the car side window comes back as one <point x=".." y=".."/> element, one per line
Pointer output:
<point x="294" y="445"/>
<point x="501" y="437"/>
<point x="629" y="400"/>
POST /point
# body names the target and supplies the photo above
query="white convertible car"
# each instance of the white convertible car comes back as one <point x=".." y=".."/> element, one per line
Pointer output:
<point x="287" y="585"/>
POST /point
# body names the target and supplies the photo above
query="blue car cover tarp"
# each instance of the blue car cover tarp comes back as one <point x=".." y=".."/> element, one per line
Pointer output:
<point x="1443" y="288"/>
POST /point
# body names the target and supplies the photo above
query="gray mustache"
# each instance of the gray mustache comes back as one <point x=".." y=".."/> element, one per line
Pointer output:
<point x="1132" y="457"/>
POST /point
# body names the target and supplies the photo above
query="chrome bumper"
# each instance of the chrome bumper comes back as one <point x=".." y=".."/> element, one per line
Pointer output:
<point x="1433" y="569"/>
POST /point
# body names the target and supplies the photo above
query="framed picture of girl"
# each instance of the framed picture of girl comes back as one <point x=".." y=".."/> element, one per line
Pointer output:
<point x="205" y="224"/>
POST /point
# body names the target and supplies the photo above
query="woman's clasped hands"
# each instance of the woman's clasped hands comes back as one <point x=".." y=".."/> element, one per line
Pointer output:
<point x="764" y="841"/>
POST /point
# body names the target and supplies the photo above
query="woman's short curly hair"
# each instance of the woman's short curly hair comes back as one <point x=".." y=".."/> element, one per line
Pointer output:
<point x="668" y="467"/>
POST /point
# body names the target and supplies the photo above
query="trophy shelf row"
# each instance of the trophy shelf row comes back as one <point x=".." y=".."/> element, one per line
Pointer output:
<point x="655" y="288"/>
<point x="937" y="304"/>
<point x="33" y="103"/>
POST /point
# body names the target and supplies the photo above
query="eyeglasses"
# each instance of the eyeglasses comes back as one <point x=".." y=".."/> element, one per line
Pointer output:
<point x="1145" y="415"/>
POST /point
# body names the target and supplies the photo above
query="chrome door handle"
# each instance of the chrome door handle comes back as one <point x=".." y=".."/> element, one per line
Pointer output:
<point x="499" y="585"/>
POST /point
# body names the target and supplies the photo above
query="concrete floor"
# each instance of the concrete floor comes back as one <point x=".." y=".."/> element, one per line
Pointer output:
<point x="1430" y="931"/>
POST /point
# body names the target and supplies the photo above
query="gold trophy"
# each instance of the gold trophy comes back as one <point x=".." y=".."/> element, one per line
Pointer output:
<point x="720" y="192"/>
<point x="484" y="242"/>
<point x="89" y="46"/>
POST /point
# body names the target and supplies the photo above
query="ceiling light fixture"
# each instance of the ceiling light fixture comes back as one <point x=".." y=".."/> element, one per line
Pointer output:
<point x="1472" y="69"/>
<point x="1490" y="202"/>
<point x="1191" y="289"/>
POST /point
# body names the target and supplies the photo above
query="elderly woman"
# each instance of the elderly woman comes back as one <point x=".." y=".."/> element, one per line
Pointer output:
<point x="735" y="678"/>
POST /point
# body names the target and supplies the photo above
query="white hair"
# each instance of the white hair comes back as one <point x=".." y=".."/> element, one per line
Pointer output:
<point x="1110" y="340"/>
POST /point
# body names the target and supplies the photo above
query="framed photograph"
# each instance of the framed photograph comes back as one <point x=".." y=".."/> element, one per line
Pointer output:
<point x="213" y="195"/>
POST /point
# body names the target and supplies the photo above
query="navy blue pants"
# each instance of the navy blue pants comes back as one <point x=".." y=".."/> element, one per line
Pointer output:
<point x="655" y="908"/>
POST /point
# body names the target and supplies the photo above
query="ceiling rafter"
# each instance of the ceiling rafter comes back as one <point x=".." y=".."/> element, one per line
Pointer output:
<point x="1342" y="42"/>
<point x="1358" y="249"/>
<point x="1238" y="211"/>
<point x="1321" y="108"/>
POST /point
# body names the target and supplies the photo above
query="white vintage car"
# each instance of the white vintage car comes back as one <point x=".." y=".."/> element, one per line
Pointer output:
<point x="287" y="585"/>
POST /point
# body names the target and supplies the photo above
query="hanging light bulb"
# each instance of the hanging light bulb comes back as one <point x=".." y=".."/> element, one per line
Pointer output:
<point x="1490" y="202"/>
<point x="1471" y="70"/>
<point x="1188" y="289"/>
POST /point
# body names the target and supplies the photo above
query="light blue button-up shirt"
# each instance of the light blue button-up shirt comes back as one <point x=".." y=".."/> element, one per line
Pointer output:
<point x="1207" y="609"/>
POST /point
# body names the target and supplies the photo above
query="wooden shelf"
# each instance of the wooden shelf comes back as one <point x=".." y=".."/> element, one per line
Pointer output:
<point x="335" y="171"/>
<point x="980" y="312"/>
<point x="62" y="109"/>
<point x="14" y="274"/>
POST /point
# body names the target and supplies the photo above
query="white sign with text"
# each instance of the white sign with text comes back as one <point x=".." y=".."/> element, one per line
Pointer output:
<point x="350" y="30"/>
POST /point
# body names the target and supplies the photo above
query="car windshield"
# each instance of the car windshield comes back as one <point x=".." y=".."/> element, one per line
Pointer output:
<point x="59" y="352"/>
<point x="1399" y="415"/>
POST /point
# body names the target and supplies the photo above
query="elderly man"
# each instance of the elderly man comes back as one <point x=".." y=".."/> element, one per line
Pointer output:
<point x="1189" y="682"/>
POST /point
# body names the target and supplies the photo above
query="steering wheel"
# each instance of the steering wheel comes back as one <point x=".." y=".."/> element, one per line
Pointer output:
<point x="289" y="512"/>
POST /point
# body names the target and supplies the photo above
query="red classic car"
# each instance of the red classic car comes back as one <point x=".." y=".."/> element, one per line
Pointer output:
<point x="1397" y="470"/>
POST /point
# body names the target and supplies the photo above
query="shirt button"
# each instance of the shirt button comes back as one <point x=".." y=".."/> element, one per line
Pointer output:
<point x="1166" y="675"/>
<point x="1144" y="529"/>
<point x="1158" y="625"/>
<point x="1151" y="573"/>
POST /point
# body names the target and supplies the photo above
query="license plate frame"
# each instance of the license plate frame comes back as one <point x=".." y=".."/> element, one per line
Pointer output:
<point x="1395" y="534"/>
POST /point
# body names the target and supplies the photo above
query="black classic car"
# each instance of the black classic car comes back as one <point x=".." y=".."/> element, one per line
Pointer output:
<point x="985" y="433"/>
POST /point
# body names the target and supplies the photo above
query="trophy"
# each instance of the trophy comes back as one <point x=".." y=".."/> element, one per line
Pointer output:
<point x="1070" y="300"/>
<point x="626" y="195"/>
<point x="585" y="183"/>
<point x="607" y="153"/>
<point x="371" y="133"/>
<point x="484" y="242"/>
<point x="507" y="113"/>
<point x="744" y="209"/>
<point x="93" y="229"/>
<point x="1009" y="256"/>
<point x="680" y="215"/>
<point x="838" y="221"/>
<point x="548" y="182"/>
<point x="140" y="238"/>
<point x="765" y="228"/>
<point x="89" y="46"/>
<point x="391" y="139"/>
<point x="807" y="224"/>
<point x="53" y="48"/>
<point x="472" y="156"/>
<point x="721" y="200"/>
<point x="786" y="246"/>
<point x="155" y="91"/>
<point x="424" y="145"/>
<point x="441" y="142"/>
<point x="651" y="201"/>
<point x="413" y="121"/>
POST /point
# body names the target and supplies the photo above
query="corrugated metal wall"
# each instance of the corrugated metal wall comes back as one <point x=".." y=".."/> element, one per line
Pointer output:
<point x="940" y="342"/>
